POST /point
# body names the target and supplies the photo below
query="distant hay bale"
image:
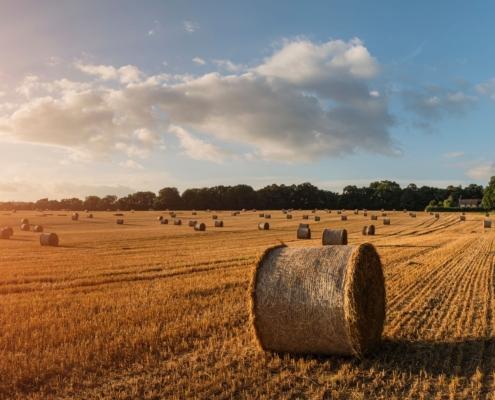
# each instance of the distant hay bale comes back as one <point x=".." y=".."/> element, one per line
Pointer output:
<point x="304" y="231"/>
<point x="288" y="216"/>
<point x="437" y="215"/>
<point x="192" y="223"/>
<point x="24" y="221"/>
<point x="374" y="218"/>
<point x="49" y="239"/>
<point x="37" y="228"/>
<point x="218" y="224"/>
<point x="75" y="217"/>
<point x="90" y="216"/>
<point x="487" y="223"/>
<point x="172" y="214"/>
<point x="261" y="215"/>
<point x="356" y="212"/>
<point x="159" y="218"/>
<point x="263" y="226"/>
<point x="317" y="218"/>
<point x="386" y="221"/>
<point x="364" y="231"/>
<point x="177" y="222"/>
<point x="25" y="227"/>
<point x="119" y="221"/>
<point x="194" y="213"/>
<point x="371" y="230"/>
<point x="268" y="216"/>
<point x="214" y="217"/>
<point x="343" y="217"/>
<point x="334" y="237"/>
<point x="5" y="233"/>
<point x="164" y="221"/>
<point x="200" y="226"/>
<point x="118" y="215"/>
<point x="384" y="214"/>
<point x="313" y="211"/>
<point x="339" y="212"/>
<point x="462" y="217"/>
<point x="235" y="213"/>
<point x="305" y="216"/>
<point x="487" y="215"/>
<point x="325" y="300"/>
<point x="365" y="214"/>
<point x="412" y="215"/>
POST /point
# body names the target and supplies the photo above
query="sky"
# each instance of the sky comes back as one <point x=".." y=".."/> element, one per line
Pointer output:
<point x="118" y="96"/>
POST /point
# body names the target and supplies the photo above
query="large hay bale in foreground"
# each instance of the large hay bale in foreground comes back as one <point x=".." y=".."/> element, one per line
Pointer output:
<point x="37" y="228"/>
<point x="49" y="239"/>
<point x="304" y="231"/>
<point x="487" y="223"/>
<point x="334" y="237"/>
<point x="218" y="224"/>
<point x="324" y="300"/>
<point x="200" y="226"/>
<point x="25" y="227"/>
<point x="263" y="226"/>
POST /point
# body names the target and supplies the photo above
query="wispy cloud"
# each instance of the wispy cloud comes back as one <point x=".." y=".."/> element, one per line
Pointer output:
<point x="482" y="171"/>
<point x="190" y="26"/>
<point x="199" y="61"/>
<point x="454" y="154"/>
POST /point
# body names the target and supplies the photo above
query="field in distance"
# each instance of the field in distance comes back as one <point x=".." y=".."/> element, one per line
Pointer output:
<point x="145" y="310"/>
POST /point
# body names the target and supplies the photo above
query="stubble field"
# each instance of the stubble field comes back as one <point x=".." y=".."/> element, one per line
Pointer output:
<point x="144" y="310"/>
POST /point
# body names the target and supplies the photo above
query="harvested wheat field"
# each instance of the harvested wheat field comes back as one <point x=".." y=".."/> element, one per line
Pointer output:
<point x="146" y="310"/>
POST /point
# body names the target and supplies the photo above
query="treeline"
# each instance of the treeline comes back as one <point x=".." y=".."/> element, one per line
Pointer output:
<point x="380" y="194"/>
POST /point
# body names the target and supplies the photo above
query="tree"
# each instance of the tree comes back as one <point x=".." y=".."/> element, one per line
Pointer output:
<point x="488" y="201"/>
<point x="168" y="198"/>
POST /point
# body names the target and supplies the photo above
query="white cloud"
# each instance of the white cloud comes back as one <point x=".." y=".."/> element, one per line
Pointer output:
<point x="482" y="171"/>
<point x="454" y="154"/>
<point x="487" y="88"/>
<point x="199" y="61"/>
<point x="229" y="65"/>
<point x="196" y="148"/>
<point x="375" y="93"/>
<point x="305" y="101"/>
<point x="190" y="26"/>
<point x="131" y="164"/>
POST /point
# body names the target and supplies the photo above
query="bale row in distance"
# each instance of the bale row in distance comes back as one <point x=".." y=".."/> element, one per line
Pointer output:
<point x="340" y="308"/>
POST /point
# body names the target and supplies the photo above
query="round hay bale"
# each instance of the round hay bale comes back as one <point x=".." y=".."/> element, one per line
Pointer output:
<point x="90" y="216"/>
<point x="200" y="226"/>
<point x="119" y="221"/>
<point x="164" y="221"/>
<point x="268" y="216"/>
<point x="263" y="226"/>
<point x="177" y="222"/>
<point x="371" y="230"/>
<point x="304" y="231"/>
<point x="384" y="214"/>
<point x="374" y="218"/>
<point x="160" y="218"/>
<point x="49" y="239"/>
<point x="437" y="215"/>
<point x="356" y="212"/>
<point x="194" y="213"/>
<point x="343" y="217"/>
<point x="214" y="217"/>
<point x="172" y="214"/>
<point x="412" y="215"/>
<point x="386" y="221"/>
<point x="5" y="233"/>
<point x="9" y="230"/>
<point x="365" y="214"/>
<point x="218" y="224"/>
<point x="288" y="216"/>
<point x="339" y="212"/>
<point x="334" y="237"/>
<point x="487" y="223"/>
<point x="324" y="300"/>
<point x="192" y="223"/>
<point x="487" y="215"/>
<point x="25" y="227"/>
<point x="75" y="217"/>
<point x="305" y="217"/>
<point x="365" y="230"/>
<point x="118" y="215"/>
<point x="37" y="228"/>
<point x="24" y="221"/>
<point x="261" y="215"/>
<point x="317" y="218"/>
<point x="462" y="217"/>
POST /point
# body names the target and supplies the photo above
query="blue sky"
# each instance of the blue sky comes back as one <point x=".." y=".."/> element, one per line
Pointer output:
<point x="116" y="96"/>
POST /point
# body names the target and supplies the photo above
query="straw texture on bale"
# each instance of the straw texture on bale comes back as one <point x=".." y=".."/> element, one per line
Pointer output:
<point x="386" y="221"/>
<point x="304" y="231"/>
<point x="200" y="226"/>
<point x="49" y="239"/>
<point x="164" y="221"/>
<point x="177" y="222"/>
<point x="263" y="226"/>
<point x="25" y="227"/>
<point x="334" y="237"/>
<point x="37" y="228"/>
<point x="120" y="221"/>
<point x="218" y="224"/>
<point x="343" y="217"/>
<point x="325" y="300"/>
<point x="371" y="230"/>
<point x="487" y="223"/>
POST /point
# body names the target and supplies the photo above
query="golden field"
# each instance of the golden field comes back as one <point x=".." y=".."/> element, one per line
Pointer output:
<point x="152" y="311"/>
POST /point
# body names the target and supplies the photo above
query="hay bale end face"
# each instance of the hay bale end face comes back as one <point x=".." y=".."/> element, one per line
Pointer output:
<point x="263" y="226"/>
<point x="200" y="226"/>
<point x="37" y="228"/>
<point x="304" y="231"/>
<point x="218" y="224"/>
<point x="325" y="300"/>
<point x="49" y="239"/>
<point x="334" y="237"/>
